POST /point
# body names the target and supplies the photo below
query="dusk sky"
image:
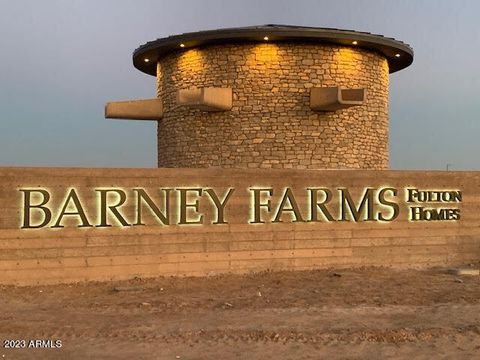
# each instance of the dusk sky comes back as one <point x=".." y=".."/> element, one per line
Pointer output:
<point x="61" y="61"/>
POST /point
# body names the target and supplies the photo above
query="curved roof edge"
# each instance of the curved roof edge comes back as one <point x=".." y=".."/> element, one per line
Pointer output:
<point x="398" y="54"/>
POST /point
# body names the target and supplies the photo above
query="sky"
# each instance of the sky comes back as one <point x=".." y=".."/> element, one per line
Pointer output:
<point x="62" y="60"/>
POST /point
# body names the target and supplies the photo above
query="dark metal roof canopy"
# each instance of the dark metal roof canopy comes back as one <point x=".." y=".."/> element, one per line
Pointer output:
<point x="399" y="55"/>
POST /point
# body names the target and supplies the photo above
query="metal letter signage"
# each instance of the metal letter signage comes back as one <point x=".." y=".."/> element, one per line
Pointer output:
<point x="121" y="207"/>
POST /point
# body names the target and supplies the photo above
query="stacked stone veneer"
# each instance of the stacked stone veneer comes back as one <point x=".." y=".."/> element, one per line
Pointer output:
<point x="271" y="124"/>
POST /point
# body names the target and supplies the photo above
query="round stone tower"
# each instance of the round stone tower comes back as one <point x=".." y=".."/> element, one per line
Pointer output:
<point x="273" y="96"/>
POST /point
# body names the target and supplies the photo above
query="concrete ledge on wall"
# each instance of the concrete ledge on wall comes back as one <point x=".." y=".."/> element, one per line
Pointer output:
<point x="206" y="99"/>
<point x="335" y="98"/>
<point x="145" y="109"/>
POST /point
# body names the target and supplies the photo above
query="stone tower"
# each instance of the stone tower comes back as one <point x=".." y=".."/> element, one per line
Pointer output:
<point x="269" y="96"/>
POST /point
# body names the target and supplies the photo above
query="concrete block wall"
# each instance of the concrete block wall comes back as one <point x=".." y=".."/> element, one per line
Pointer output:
<point x="70" y="254"/>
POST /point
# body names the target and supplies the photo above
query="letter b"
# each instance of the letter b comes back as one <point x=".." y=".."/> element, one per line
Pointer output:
<point x="27" y="206"/>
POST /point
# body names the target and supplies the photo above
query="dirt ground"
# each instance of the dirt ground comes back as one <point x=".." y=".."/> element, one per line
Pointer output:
<point x="342" y="314"/>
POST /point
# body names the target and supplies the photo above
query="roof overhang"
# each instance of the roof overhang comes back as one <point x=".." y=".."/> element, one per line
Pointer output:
<point x="398" y="54"/>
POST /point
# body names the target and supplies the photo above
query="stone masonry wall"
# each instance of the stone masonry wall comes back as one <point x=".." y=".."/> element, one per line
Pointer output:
<point x="271" y="124"/>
